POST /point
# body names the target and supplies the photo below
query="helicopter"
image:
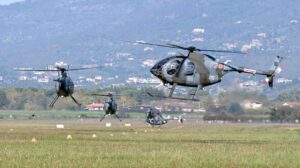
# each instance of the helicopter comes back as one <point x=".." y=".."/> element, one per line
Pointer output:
<point x="155" y="118"/>
<point x="200" y="70"/>
<point x="110" y="106"/>
<point x="64" y="86"/>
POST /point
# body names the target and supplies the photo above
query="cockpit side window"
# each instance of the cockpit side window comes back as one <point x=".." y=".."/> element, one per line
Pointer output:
<point x="173" y="67"/>
<point x="189" y="69"/>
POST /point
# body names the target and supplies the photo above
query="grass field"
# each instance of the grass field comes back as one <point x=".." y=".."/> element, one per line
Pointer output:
<point x="174" y="145"/>
<point x="46" y="115"/>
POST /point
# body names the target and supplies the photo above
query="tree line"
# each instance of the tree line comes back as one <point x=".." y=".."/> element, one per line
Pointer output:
<point x="224" y="106"/>
<point x="39" y="99"/>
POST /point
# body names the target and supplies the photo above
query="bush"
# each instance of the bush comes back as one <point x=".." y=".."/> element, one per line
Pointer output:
<point x="285" y="114"/>
<point x="3" y="99"/>
<point x="235" y="108"/>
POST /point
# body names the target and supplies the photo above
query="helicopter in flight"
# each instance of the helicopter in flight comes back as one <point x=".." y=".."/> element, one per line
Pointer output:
<point x="110" y="106"/>
<point x="64" y="85"/>
<point x="200" y="70"/>
<point x="154" y="117"/>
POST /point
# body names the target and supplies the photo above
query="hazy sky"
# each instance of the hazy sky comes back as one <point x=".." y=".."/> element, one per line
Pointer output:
<point x="7" y="2"/>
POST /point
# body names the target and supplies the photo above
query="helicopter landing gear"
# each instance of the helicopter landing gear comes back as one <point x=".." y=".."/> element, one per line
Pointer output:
<point x="172" y="89"/>
<point x="196" y="92"/>
<point x="53" y="102"/>
<point x="79" y="105"/>
<point x="102" y="117"/>
<point x="118" y="117"/>
<point x="106" y="114"/>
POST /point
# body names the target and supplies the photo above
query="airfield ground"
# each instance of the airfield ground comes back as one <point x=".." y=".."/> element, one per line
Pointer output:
<point x="191" y="144"/>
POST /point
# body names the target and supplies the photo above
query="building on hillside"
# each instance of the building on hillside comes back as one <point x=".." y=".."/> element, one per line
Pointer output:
<point x="23" y="78"/>
<point x="291" y="104"/>
<point x="43" y="80"/>
<point x="251" y="105"/>
<point x="94" y="107"/>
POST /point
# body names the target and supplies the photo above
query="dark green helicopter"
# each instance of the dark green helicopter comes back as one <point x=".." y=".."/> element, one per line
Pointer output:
<point x="200" y="70"/>
<point x="110" y="106"/>
<point x="65" y="85"/>
<point x="155" y="118"/>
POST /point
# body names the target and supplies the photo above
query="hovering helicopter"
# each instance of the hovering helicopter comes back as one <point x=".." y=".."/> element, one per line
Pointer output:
<point x="64" y="86"/>
<point x="110" y="106"/>
<point x="154" y="117"/>
<point x="200" y="70"/>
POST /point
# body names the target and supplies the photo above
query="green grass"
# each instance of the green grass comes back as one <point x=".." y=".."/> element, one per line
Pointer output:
<point x="142" y="146"/>
<point x="23" y="114"/>
<point x="46" y="115"/>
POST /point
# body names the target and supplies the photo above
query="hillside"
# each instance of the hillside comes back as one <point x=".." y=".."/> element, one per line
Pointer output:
<point x="93" y="32"/>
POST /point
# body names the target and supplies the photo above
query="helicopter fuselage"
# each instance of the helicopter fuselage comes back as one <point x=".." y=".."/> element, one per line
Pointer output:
<point x="110" y="107"/>
<point x="65" y="86"/>
<point x="154" y="118"/>
<point x="189" y="72"/>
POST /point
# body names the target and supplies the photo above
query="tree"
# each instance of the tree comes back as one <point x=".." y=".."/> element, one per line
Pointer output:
<point x="284" y="113"/>
<point x="293" y="95"/>
<point x="3" y="99"/>
<point x="235" y="108"/>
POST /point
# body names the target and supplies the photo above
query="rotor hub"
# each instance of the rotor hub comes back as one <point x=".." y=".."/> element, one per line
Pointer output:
<point x="192" y="48"/>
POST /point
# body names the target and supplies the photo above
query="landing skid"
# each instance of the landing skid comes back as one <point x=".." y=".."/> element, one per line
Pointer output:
<point x="78" y="104"/>
<point x="118" y="117"/>
<point x="106" y="114"/>
<point x="176" y="98"/>
<point x="53" y="102"/>
<point x="56" y="98"/>
<point x="102" y="117"/>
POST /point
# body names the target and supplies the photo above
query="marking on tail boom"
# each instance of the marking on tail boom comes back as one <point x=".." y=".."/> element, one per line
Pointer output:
<point x="253" y="71"/>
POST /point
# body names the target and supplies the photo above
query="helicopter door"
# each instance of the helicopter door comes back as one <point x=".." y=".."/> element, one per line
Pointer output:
<point x="189" y="69"/>
<point x="199" y="60"/>
<point x="200" y="66"/>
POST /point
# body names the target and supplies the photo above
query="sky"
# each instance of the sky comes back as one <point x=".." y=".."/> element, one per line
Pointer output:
<point x="8" y="2"/>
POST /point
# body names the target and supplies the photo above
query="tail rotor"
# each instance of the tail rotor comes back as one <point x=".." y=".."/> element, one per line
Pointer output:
<point x="274" y="70"/>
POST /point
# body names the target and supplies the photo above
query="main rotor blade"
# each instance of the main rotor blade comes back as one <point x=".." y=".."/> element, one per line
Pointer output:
<point x="107" y="95"/>
<point x="144" y="106"/>
<point x="100" y="95"/>
<point x="55" y="70"/>
<point x="37" y="70"/>
<point x="190" y="48"/>
<point x="178" y="46"/>
<point x="153" y="44"/>
<point x="77" y="69"/>
<point x="222" y="51"/>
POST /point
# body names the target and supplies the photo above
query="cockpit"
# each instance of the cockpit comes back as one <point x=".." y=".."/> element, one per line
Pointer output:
<point x="173" y="67"/>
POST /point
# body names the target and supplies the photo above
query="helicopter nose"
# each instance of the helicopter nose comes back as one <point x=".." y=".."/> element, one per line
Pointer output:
<point x="155" y="71"/>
